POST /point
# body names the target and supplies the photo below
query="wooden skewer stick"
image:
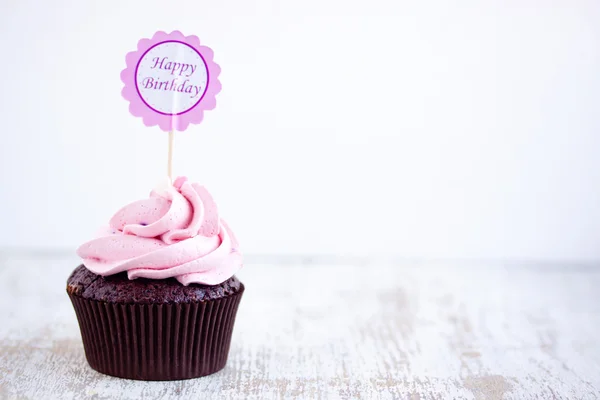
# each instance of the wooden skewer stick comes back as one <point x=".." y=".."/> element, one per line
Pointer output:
<point x="170" y="159"/>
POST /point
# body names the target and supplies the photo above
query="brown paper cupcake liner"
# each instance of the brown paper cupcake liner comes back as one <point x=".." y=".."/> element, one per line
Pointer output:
<point x="157" y="341"/>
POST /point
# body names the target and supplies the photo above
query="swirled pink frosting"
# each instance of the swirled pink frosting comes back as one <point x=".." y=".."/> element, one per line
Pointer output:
<point x="176" y="232"/>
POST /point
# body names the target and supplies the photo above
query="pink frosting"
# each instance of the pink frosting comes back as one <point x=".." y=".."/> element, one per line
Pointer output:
<point x="176" y="233"/>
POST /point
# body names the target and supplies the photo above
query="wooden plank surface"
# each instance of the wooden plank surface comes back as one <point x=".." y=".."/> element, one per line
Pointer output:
<point x="338" y="329"/>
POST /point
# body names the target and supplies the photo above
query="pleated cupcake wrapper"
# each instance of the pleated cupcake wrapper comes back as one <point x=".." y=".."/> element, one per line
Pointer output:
<point x="157" y="341"/>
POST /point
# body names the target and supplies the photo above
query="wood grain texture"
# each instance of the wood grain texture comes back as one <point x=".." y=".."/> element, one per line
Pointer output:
<point x="351" y="329"/>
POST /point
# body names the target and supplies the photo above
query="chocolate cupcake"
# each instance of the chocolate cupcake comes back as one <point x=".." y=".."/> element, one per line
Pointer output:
<point x="156" y="296"/>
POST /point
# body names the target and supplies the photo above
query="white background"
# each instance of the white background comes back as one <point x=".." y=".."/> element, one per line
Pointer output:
<point x="394" y="128"/>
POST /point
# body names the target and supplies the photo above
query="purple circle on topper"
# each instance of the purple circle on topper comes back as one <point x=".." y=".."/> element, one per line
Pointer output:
<point x="170" y="81"/>
<point x="205" y="86"/>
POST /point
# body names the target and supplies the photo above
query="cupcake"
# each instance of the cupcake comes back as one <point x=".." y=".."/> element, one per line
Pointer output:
<point x="156" y="296"/>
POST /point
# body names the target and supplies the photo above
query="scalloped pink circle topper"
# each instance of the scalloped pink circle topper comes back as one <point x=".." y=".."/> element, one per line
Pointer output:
<point x="170" y="80"/>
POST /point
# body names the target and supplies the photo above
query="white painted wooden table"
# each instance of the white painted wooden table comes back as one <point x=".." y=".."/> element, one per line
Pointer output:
<point x="338" y="329"/>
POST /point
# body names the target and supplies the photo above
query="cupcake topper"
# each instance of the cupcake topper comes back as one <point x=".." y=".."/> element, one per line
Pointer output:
<point x="170" y="80"/>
